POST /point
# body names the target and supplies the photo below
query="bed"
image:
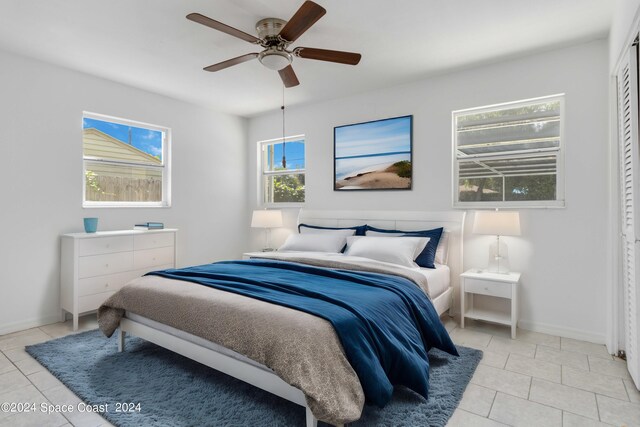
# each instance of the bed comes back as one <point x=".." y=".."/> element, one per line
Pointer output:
<point x="290" y="328"/>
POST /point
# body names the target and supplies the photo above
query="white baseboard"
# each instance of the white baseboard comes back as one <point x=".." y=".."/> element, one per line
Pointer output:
<point x="562" y="331"/>
<point x="28" y="324"/>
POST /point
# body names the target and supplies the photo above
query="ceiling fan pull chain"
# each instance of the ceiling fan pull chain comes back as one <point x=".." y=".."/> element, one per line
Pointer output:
<point x="284" y="157"/>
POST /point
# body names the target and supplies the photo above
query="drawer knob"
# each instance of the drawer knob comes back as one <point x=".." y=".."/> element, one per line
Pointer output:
<point x="106" y="265"/>
<point x="106" y="285"/>
<point x="486" y="288"/>
<point x="154" y="258"/>
<point x="108" y="245"/>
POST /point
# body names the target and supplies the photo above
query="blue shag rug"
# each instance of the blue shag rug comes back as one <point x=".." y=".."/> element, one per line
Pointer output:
<point x="175" y="391"/>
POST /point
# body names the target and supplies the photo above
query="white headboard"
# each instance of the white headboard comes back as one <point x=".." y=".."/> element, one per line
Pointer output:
<point x="452" y="221"/>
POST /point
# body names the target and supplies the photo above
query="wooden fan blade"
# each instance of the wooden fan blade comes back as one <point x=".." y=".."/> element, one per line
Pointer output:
<point x="288" y="77"/>
<point x="201" y="19"/>
<point x="304" y="18"/>
<point x="230" y="62"/>
<point x="348" y="58"/>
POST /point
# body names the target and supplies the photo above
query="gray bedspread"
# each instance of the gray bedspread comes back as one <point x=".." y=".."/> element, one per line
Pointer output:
<point x="300" y="348"/>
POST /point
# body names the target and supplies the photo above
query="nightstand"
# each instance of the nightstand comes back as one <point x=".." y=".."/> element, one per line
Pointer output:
<point x="494" y="285"/>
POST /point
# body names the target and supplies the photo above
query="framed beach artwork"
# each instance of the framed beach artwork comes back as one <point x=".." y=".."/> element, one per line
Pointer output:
<point x="374" y="155"/>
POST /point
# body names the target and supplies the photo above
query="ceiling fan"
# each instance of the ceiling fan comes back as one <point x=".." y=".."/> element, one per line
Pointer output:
<point x="275" y="35"/>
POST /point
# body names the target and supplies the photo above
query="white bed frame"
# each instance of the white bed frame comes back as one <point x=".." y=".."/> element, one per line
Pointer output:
<point x="263" y="377"/>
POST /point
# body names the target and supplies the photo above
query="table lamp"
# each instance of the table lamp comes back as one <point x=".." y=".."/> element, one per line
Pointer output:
<point x="267" y="219"/>
<point x="497" y="223"/>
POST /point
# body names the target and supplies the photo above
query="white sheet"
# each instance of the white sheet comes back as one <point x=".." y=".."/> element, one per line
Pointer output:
<point x="438" y="279"/>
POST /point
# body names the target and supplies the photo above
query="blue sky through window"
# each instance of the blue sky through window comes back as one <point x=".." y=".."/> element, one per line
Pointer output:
<point x="147" y="140"/>
<point x="294" y="154"/>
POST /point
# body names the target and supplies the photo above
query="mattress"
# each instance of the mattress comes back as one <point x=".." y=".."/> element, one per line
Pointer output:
<point x="438" y="279"/>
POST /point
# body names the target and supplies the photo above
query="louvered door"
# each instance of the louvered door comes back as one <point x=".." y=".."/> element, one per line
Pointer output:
<point x="629" y="166"/>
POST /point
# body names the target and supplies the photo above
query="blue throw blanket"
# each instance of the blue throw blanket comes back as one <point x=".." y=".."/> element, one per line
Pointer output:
<point x="386" y="323"/>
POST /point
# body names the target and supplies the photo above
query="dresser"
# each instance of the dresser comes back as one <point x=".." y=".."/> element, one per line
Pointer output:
<point x="95" y="265"/>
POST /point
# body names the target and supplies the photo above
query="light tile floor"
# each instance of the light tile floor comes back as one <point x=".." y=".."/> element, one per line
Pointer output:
<point x="535" y="380"/>
<point x="22" y="379"/>
<point x="542" y="380"/>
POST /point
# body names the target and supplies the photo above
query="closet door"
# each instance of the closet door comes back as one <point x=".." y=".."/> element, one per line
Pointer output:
<point x="629" y="175"/>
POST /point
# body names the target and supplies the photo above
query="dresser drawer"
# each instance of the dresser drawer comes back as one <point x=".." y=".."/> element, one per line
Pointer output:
<point x="143" y="271"/>
<point x="153" y="240"/>
<point x="110" y="282"/>
<point x="100" y="265"/>
<point x="153" y="257"/>
<point x="104" y="245"/>
<point x="486" y="287"/>
<point x="92" y="302"/>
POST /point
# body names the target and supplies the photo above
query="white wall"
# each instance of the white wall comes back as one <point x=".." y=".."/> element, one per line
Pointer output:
<point x="41" y="173"/>
<point x="624" y="15"/>
<point x="562" y="252"/>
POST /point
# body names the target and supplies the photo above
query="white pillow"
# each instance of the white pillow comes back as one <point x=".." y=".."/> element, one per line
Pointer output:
<point x="381" y="234"/>
<point x="338" y="232"/>
<point x="314" y="243"/>
<point x="396" y="251"/>
<point x="442" y="251"/>
<point x="419" y="248"/>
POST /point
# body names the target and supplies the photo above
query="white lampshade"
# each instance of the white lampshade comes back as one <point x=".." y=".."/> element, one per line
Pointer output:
<point x="497" y="223"/>
<point x="266" y="219"/>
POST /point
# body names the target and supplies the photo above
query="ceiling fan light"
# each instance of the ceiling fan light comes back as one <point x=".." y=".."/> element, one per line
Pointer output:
<point x="275" y="60"/>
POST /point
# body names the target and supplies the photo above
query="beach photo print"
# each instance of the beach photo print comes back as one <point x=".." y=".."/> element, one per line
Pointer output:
<point x="374" y="155"/>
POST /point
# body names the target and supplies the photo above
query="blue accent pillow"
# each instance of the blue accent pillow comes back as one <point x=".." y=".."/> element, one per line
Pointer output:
<point x="360" y="229"/>
<point x="428" y="255"/>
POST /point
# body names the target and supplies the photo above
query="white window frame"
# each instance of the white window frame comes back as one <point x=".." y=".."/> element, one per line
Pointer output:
<point x="559" y="202"/>
<point x="262" y="174"/>
<point x="166" y="166"/>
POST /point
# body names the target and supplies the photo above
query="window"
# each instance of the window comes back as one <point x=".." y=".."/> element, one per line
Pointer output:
<point x="282" y="165"/>
<point x="509" y="155"/>
<point x="125" y="163"/>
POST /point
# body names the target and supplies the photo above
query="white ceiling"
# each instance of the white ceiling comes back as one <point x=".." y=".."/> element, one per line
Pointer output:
<point x="149" y="43"/>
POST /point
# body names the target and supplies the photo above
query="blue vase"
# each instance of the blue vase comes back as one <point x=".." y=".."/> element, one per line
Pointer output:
<point x="90" y="225"/>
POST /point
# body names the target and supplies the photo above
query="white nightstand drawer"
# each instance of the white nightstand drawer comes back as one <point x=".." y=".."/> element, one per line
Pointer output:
<point x="153" y="257"/>
<point x="100" y="265"/>
<point x="99" y="284"/>
<point x="486" y="287"/>
<point x="153" y="240"/>
<point x="92" y="302"/>
<point x="105" y="245"/>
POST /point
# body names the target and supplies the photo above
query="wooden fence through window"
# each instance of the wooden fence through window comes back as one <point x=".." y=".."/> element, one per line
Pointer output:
<point x="123" y="189"/>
